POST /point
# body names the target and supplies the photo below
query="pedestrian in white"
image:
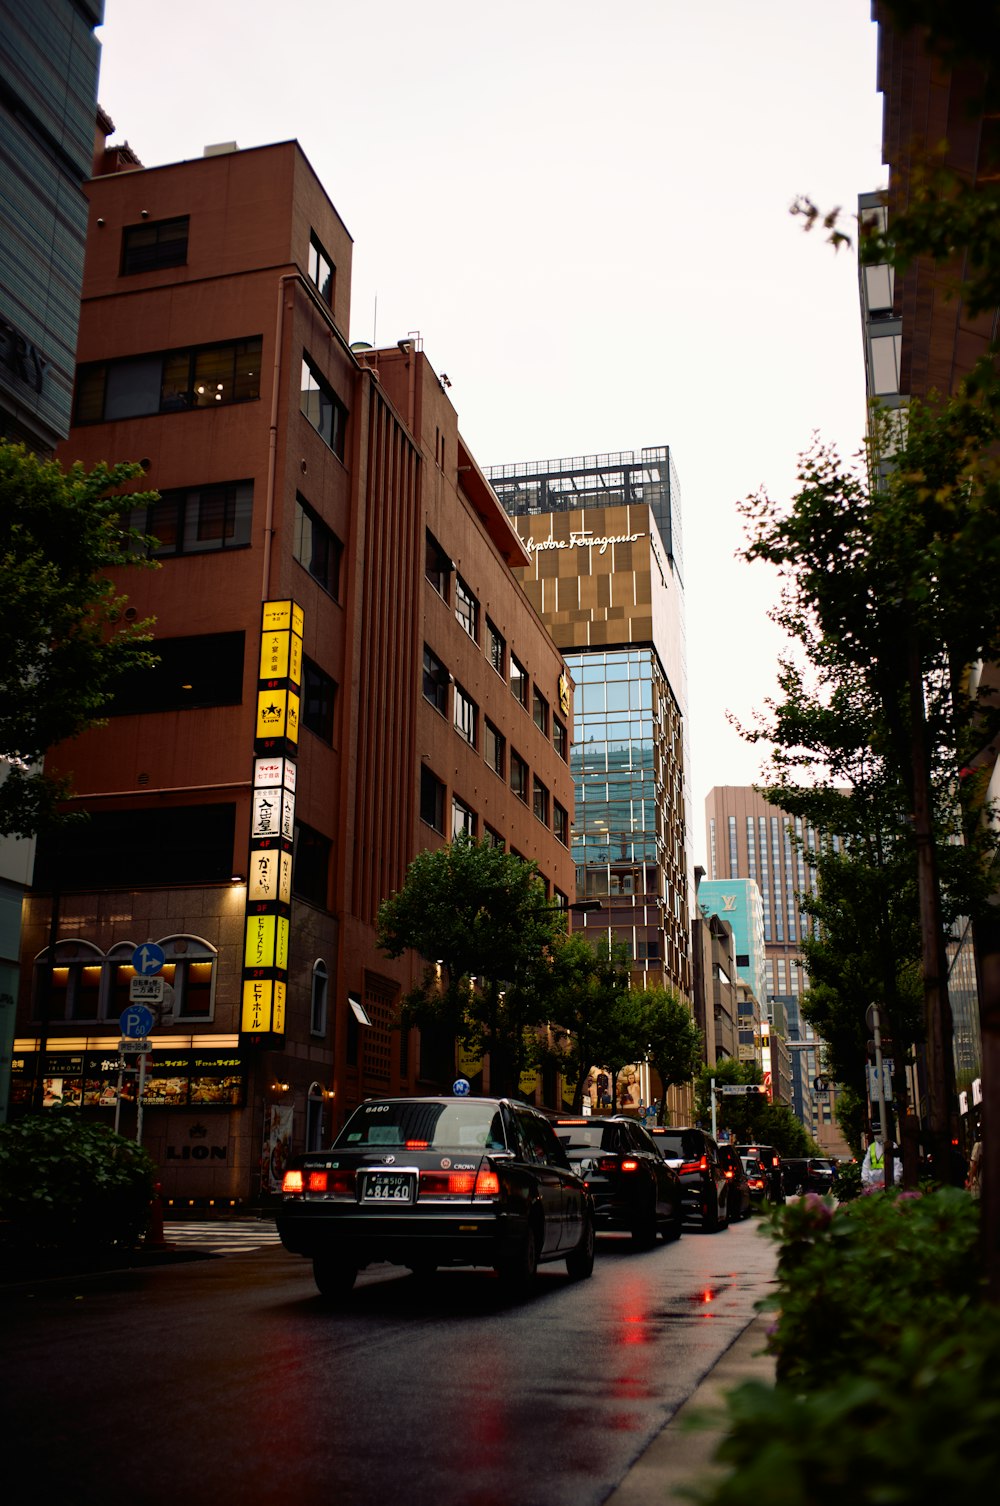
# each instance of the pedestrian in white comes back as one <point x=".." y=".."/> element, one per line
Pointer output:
<point x="873" y="1166"/>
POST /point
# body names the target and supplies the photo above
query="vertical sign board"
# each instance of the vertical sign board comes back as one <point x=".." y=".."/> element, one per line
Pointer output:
<point x="272" y="825"/>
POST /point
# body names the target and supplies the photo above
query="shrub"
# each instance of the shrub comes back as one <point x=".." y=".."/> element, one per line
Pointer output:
<point x="850" y="1278"/>
<point x="68" y="1184"/>
<point x="887" y="1357"/>
<point x="912" y="1428"/>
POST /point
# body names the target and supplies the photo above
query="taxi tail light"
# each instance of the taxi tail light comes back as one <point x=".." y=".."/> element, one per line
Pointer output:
<point x="630" y="1165"/>
<point x="730" y="1173"/>
<point x="291" y="1183"/>
<point x="323" y="1182"/>
<point x="608" y="1163"/>
<point x="467" y="1184"/>
<point x="689" y="1166"/>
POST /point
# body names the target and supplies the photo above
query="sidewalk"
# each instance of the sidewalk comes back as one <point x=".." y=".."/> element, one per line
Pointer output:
<point x="679" y="1456"/>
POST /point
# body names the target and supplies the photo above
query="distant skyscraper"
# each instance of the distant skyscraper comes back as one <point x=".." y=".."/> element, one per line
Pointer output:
<point x="604" y="536"/>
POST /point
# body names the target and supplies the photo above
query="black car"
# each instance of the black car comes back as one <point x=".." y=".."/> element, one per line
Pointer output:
<point x="756" y="1180"/>
<point x="770" y="1159"/>
<point x="694" y="1155"/>
<point x="738" y="1199"/>
<point x="426" y="1182"/>
<point x="632" y="1186"/>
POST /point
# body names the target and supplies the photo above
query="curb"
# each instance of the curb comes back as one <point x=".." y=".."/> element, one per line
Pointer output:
<point x="681" y="1455"/>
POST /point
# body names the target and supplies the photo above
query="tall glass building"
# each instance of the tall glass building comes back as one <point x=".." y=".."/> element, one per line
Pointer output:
<point x="604" y="537"/>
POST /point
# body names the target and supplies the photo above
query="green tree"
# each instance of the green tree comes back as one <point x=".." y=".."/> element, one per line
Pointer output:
<point x="747" y="1116"/>
<point x="673" y="1042"/>
<point x="66" y="644"/>
<point x="888" y="589"/>
<point x="588" y="981"/>
<point x="481" y="919"/>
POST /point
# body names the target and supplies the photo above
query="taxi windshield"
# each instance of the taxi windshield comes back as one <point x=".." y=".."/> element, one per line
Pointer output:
<point x="417" y="1125"/>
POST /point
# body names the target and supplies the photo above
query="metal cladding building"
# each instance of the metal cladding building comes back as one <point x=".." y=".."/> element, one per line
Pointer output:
<point x="349" y="673"/>
<point x="603" y="534"/>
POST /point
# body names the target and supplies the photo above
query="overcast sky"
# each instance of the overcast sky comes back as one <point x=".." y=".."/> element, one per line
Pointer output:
<point x="584" y="211"/>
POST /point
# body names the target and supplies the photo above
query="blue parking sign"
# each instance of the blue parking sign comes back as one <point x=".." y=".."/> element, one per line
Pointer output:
<point x="136" y="1022"/>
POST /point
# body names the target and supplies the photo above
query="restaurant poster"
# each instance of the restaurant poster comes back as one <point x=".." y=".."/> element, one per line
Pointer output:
<point x="277" y="1145"/>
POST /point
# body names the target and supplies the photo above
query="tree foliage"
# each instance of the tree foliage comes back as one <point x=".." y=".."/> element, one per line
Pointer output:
<point x="673" y="1044"/>
<point x="748" y="1117"/>
<point x="480" y="918"/>
<point x="588" y="983"/>
<point x="65" y="642"/>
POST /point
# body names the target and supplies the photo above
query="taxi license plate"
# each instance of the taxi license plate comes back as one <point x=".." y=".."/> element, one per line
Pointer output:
<point x="388" y="1187"/>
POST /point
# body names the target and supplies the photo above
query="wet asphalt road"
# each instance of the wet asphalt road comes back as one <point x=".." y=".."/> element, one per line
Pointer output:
<point x="228" y="1380"/>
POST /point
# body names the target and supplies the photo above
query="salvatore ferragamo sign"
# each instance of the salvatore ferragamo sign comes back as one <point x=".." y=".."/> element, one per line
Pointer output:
<point x="581" y="540"/>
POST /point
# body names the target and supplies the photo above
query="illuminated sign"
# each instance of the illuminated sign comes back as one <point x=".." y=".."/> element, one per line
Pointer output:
<point x="564" y="694"/>
<point x="263" y="1006"/>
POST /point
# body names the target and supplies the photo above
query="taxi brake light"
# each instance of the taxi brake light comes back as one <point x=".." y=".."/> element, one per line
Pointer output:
<point x="317" y="1181"/>
<point x="630" y="1165"/>
<point x="417" y="1144"/>
<point x="690" y="1166"/>
<point x="730" y="1173"/>
<point x="487" y="1183"/>
<point x="291" y="1182"/>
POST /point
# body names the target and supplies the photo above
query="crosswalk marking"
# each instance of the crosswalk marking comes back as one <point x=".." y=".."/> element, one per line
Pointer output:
<point x="220" y="1238"/>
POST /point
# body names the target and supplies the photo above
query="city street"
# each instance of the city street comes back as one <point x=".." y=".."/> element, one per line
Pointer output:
<point x="226" y="1378"/>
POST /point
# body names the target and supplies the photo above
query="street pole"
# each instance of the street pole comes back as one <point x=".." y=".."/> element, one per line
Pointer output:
<point x="888" y="1170"/>
<point x="141" y="1091"/>
<point x="714" y="1133"/>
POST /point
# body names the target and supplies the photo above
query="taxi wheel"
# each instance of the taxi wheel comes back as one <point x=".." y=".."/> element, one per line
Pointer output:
<point x="518" y="1270"/>
<point x="580" y="1262"/>
<point x="333" y="1275"/>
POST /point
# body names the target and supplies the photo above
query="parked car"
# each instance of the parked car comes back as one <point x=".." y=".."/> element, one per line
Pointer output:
<point x="738" y="1198"/>
<point x="428" y="1182"/>
<point x="807" y="1174"/>
<point x="632" y="1186"/>
<point x="756" y="1180"/>
<point x="771" y="1162"/>
<point x="821" y="1174"/>
<point x="694" y="1155"/>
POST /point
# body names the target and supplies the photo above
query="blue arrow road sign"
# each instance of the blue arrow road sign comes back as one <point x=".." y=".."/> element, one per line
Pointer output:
<point x="147" y="959"/>
<point x="136" y="1022"/>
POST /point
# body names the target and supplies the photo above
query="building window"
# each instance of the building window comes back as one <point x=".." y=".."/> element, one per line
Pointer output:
<point x="321" y="269"/>
<point x="518" y="682"/>
<point x="317" y="549"/>
<point x="540" y="712"/>
<point x="465" y="716"/>
<point x="190" y="968"/>
<point x="496" y="646"/>
<point x="204" y="670"/>
<point x="323" y="408"/>
<point x="437" y="565"/>
<point x="431" y="799"/>
<point x="519" y="776"/>
<point x="560" y="739"/>
<point x="162" y="243"/>
<point x="436" y="681"/>
<point x="560" y="822"/>
<point x="319" y="998"/>
<point x="463" y="819"/>
<point x="495" y="749"/>
<point x="311" y="865"/>
<point x="69" y="987"/>
<point x="319" y="695"/>
<point x="540" y="801"/>
<point x="466" y="608"/>
<point x="205" y="376"/>
<point x="493" y="838"/>
<point x="198" y="519"/>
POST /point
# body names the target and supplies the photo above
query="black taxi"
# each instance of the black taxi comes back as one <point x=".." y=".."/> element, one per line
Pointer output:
<point x="428" y="1182"/>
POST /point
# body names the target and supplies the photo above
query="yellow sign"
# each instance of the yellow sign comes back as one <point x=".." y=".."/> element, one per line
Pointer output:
<point x="263" y="1006"/>
<point x="292" y="723"/>
<point x="564" y="695"/>
<point x="529" y="1080"/>
<point x="295" y="659"/>
<point x="274" y="655"/>
<point x="469" y="1063"/>
<point x="272" y="713"/>
<point x="281" y="615"/>
<point x="266" y="941"/>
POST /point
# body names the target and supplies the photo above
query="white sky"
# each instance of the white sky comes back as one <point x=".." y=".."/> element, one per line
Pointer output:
<point x="584" y="212"/>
